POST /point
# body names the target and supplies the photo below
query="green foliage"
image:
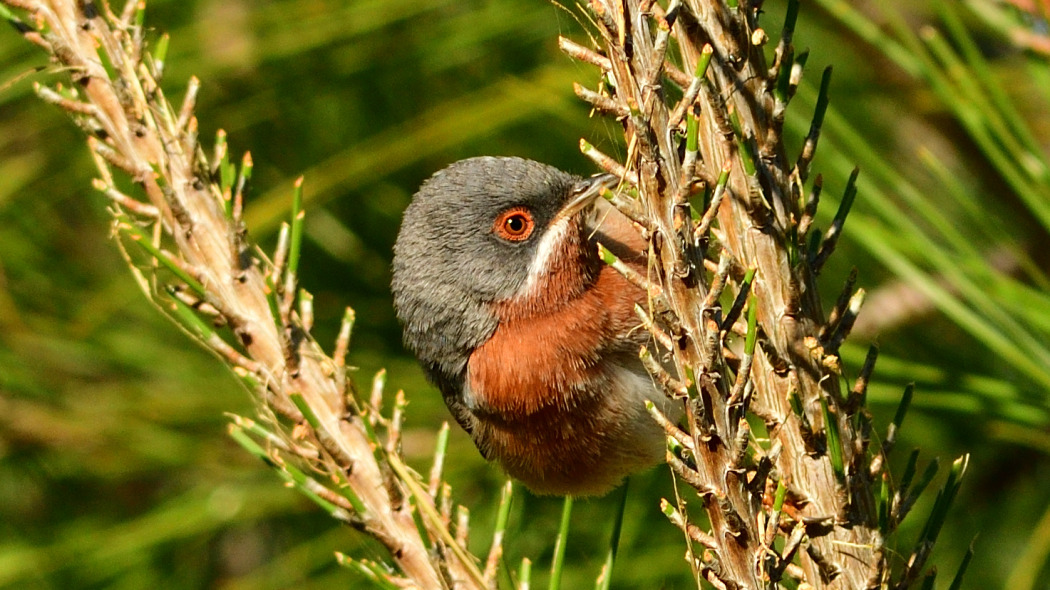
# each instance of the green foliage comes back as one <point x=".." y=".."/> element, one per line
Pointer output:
<point x="115" y="468"/>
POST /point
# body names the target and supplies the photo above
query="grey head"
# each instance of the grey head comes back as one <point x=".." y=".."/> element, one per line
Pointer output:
<point x="452" y="261"/>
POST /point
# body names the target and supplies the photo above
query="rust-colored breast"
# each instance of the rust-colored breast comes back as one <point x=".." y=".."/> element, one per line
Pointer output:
<point x="537" y="360"/>
<point x="555" y="388"/>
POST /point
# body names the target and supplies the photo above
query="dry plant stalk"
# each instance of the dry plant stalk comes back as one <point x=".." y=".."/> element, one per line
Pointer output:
<point x="723" y="139"/>
<point x="315" y="429"/>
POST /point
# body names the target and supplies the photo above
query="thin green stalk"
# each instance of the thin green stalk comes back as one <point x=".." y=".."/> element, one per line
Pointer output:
<point x="525" y="574"/>
<point x="974" y="120"/>
<point x="957" y="581"/>
<point x="882" y="246"/>
<point x="135" y="233"/>
<point x="866" y="29"/>
<point x="291" y="474"/>
<point x="990" y="229"/>
<point x="605" y="578"/>
<point x="945" y="499"/>
<point x="499" y="531"/>
<point x="370" y="570"/>
<point x="978" y="65"/>
<point x="752" y="326"/>
<point x="991" y="334"/>
<point x="834" y="440"/>
<point x="296" y="241"/>
<point x="558" y="561"/>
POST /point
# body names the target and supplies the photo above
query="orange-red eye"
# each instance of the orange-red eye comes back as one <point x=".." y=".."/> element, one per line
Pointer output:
<point x="514" y="224"/>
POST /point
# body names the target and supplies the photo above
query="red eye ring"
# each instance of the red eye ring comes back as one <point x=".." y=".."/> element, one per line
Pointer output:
<point x="514" y="224"/>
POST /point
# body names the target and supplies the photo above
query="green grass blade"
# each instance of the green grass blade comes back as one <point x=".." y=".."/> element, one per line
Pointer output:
<point x="605" y="578"/>
<point x="558" y="561"/>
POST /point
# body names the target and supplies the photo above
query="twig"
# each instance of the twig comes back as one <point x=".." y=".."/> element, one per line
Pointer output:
<point x="201" y="242"/>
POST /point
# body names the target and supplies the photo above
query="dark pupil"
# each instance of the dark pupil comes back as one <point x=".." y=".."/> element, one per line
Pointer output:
<point x="515" y="224"/>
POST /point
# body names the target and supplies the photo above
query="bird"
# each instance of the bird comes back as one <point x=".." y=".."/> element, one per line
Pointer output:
<point x="532" y="340"/>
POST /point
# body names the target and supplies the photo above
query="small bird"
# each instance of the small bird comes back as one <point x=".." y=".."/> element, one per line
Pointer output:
<point x="531" y="338"/>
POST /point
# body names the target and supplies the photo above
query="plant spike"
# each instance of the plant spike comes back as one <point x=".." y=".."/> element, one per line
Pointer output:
<point x="810" y="147"/>
<point x="898" y="419"/>
<point x="832" y="237"/>
<point x="961" y="572"/>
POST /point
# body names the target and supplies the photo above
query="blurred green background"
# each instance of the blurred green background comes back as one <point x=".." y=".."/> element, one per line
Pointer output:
<point x="115" y="470"/>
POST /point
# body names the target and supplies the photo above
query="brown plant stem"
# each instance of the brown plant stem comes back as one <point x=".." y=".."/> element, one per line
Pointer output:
<point x="303" y="393"/>
<point x="736" y="131"/>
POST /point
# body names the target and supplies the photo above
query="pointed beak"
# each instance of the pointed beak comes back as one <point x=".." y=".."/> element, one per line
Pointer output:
<point x="583" y="193"/>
